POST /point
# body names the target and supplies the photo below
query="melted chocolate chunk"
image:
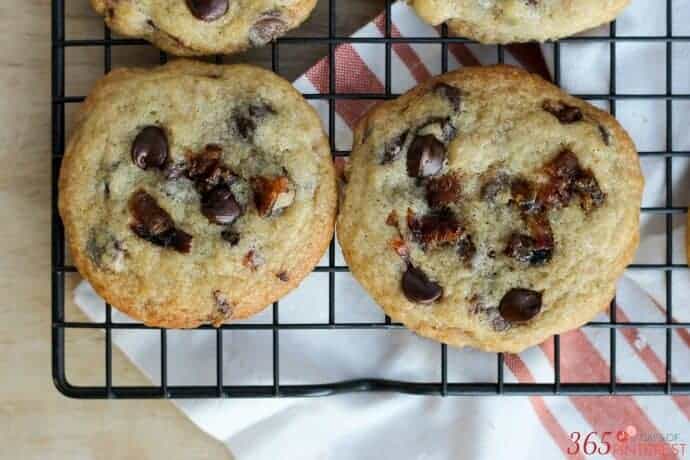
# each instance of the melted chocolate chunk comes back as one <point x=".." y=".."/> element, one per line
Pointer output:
<point x="283" y="276"/>
<point x="449" y="92"/>
<point x="418" y="288"/>
<point x="525" y="249"/>
<point x="208" y="10"/>
<point x="150" y="148"/>
<point x="246" y="122"/>
<point x="219" y="206"/>
<point x="393" y="148"/>
<point x="245" y="126"/>
<point x="425" y="157"/>
<point x="565" y="113"/>
<point x="153" y="224"/>
<point x="520" y="305"/>
<point x="434" y="229"/>
<point x="443" y="190"/>
<point x="269" y="27"/>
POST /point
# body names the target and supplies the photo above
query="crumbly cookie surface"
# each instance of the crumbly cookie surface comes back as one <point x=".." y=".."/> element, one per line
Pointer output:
<point x="488" y="208"/>
<point x="511" y="21"/>
<point x="201" y="27"/>
<point x="194" y="193"/>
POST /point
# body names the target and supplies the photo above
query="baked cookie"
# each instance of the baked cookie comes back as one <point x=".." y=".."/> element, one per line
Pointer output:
<point x="488" y="208"/>
<point x="200" y="27"/>
<point x="513" y="21"/>
<point x="195" y="193"/>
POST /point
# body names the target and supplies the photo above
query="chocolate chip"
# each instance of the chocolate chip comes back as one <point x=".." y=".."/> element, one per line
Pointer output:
<point x="418" y="288"/>
<point x="230" y="236"/>
<point x="449" y="92"/>
<point x="220" y="207"/>
<point x="154" y="224"/>
<point x="435" y="229"/>
<point x="150" y="148"/>
<point x="565" y="113"/>
<point x="208" y="10"/>
<point x="267" y="28"/>
<point x="525" y="249"/>
<point x="272" y="194"/>
<point x="443" y="190"/>
<point x="519" y="305"/>
<point x="425" y="157"/>
<point x="283" y="276"/>
<point x="393" y="148"/>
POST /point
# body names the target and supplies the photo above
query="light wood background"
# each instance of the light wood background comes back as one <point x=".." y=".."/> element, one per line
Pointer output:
<point x="36" y="422"/>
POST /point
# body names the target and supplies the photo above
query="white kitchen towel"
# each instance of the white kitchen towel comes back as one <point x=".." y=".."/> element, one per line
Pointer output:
<point x="382" y="426"/>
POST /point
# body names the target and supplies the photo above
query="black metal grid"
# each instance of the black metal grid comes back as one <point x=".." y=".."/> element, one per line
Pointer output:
<point x="443" y="387"/>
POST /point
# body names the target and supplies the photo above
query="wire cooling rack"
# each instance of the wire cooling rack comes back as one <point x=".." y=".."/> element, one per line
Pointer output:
<point x="59" y="270"/>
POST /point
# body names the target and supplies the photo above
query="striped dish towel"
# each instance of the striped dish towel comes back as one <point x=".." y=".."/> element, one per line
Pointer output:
<point x="382" y="426"/>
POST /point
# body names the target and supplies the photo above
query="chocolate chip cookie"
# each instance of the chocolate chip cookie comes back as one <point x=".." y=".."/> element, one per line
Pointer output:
<point x="200" y="27"/>
<point x="511" y="21"/>
<point x="195" y="193"/>
<point x="488" y="208"/>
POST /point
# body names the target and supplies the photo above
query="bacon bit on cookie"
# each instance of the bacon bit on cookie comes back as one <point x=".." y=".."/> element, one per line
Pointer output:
<point x="434" y="229"/>
<point x="253" y="260"/>
<point x="443" y="190"/>
<point x="399" y="246"/>
<point x="271" y="194"/>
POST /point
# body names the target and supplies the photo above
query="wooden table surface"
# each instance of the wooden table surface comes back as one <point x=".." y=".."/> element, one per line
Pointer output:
<point x="36" y="422"/>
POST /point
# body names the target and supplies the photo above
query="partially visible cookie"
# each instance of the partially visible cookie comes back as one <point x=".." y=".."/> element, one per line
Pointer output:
<point x="514" y="21"/>
<point x="195" y="193"/>
<point x="488" y="208"/>
<point x="201" y="27"/>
